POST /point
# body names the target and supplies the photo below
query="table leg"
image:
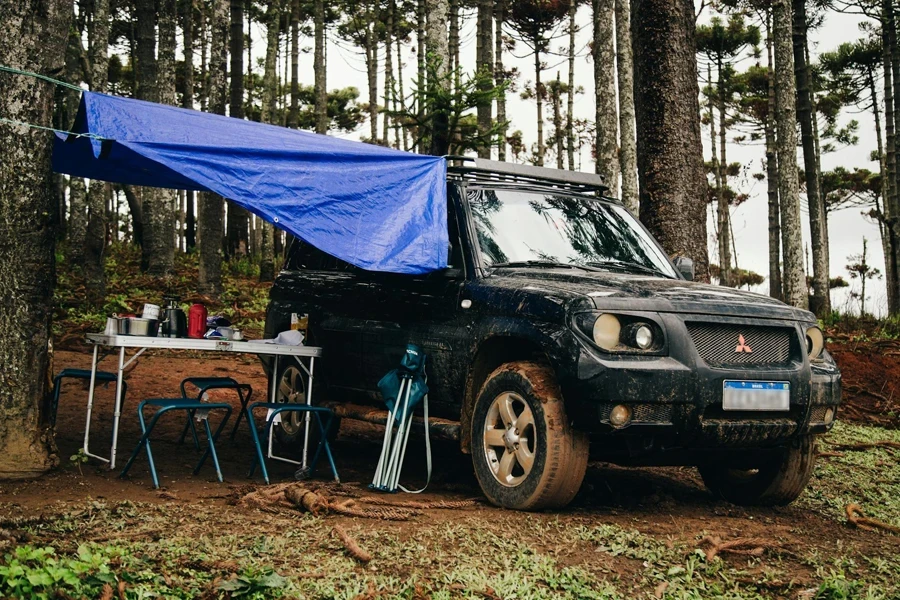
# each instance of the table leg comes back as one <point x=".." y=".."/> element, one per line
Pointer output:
<point x="309" y="391"/>
<point x="118" y="409"/>
<point x="90" y="406"/>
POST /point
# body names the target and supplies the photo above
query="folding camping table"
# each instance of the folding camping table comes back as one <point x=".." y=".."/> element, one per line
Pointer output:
<point x="143" y="343"/>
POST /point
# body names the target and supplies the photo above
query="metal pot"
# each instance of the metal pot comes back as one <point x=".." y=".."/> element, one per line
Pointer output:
<point x="138" y="326"/>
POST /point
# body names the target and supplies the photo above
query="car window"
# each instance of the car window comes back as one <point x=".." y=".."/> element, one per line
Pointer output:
<point x="306" y="257"/>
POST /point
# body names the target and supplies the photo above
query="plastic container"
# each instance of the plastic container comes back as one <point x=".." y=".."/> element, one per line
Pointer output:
<point x="197" y="321"/>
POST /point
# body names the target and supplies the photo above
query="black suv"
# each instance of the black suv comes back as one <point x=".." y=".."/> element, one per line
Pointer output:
<point x="561" y="330"/>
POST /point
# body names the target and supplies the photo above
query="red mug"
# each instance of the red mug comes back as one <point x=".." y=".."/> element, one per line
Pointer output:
<point x="197" y="321"/>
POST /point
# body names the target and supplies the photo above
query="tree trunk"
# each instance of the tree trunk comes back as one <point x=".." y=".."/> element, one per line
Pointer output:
<point x="717" y="171"/>
<point x="421" y="61"/>
<point x="776" y="289"/>
<point x="484" y="64"/>
<point x="453" y="40"/>
<point x="627" y="141"/>
<point x="500" y="75"/>
<point x="400" y="97"/>
<point x="669" y="149"/>
<point x="95" y="240"/>
<point x="187" y="101"/>
<point x="33" y="38"/>
<point x="145" y="73"/>
<point x="607" y="118"/>
<point x="388" y="74"/>
<point x="204" y="57"/>
<point x="211" y="206"/>
<point x="237" y="225"/>
<point x="293" y="117"/>
<point x="77" y="222"/>
<point x="371" y="49"/>
<point x="270" y="83"/>
<point x="820" y="302"/>
<point x="539" y="99"/>
<point x="559" y="130"/>
<point x="321" y="86"/>
<point x="891" y="118"/>
<point x="570" y="99"/>
<point x="724" y="211"/>
<point x="887" y="236"/>
<point x="162" y="212"/>
<point x="437" y="51"/>
<point x="795" y="292"/>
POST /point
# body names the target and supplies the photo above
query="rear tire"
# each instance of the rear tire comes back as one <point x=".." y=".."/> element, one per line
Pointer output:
<point x="290" y="431"/>
<point x="525" y="452"/>
<point x="775" y="482"/>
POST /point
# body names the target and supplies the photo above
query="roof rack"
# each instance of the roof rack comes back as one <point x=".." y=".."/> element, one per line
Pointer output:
<point x="487" y="171"/>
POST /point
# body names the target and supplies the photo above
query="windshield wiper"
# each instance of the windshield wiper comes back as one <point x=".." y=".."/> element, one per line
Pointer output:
<point x="624" y="265"/>
<point x="549" y="264"/>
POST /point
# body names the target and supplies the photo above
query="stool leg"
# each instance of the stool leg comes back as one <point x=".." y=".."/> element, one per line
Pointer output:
<point x="212" y="450"/>
<point x="144" y="443"/>
<point x="259" y="453"/>
<point x="190" y="425"/>
<point x="211" y="447"/>
<point x="323" y="443"/>
<point x="244" y="402"/>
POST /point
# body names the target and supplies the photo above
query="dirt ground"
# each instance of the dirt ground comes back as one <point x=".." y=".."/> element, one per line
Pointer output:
<point x="629" y="533"/>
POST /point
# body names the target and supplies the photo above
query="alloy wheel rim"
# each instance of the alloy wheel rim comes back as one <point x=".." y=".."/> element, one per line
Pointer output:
<point x="291" y="389"/>
<point x="510" y="439"/>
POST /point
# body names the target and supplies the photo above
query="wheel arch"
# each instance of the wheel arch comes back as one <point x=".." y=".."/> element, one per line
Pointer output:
<point x="490" y="354"/>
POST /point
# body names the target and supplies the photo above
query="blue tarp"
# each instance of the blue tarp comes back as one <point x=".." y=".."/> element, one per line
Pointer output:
<point x="376" y="208"/>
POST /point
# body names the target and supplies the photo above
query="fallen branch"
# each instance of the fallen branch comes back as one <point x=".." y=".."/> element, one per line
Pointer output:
<point x="444" y="504"/>
<point x="829" y="454"/>
<point x="352" y="547"/>
<point x="867" y="446"/>
<point x="857" y="518"/>
<point x="747" y="546"/>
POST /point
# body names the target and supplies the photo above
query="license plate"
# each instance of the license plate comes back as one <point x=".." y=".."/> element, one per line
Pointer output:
<point x="756" y="395"/>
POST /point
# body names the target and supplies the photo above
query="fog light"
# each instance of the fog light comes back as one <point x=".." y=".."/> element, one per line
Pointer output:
<point x="620" y="415"/>
<point x="829" y="416"/>
<point x="643" y="337"/>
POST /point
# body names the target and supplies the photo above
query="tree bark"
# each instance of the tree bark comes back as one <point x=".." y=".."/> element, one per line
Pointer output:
<point x="500" y="75"/>
<point x="95" y="240"/>
<point x="570" y="98"/>
<point x="211" y="206"/>
<point x="820" y="301"/>
<point x="77" y="221"/>
<point x="669" y="149"/>
<point x="371" y="50"/>
<point x="539" y="91"/>
<point x="187" y="101"/>
<point x="776" y="289"/>
<point x="270" y="83"/>
<point x="162" y="212"/>
<point x="607" y="118"/>
<point x="724" y="212"/>
<point x="484" y="59"/>
<point x="559" y="130"/>
<point x="453" y="40"/>
<point x="795" y="292"/>
<point x="388" y="74"/>
<point x="421" y="63"/>
<point x="237" y="226"/>
<point x="438" y="54"/>
<point x="887" y="237"/>
<point x="891" y="118"/>
<point x="627" y="140"/>
<point x="321" y="85"/>
<point x="32" y="38"/>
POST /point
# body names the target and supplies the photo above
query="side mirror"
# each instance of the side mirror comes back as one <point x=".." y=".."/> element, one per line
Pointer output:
<point x="685" y="266"/>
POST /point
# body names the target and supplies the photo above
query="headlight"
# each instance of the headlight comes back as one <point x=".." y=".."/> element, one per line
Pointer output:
<point x="606" y="331"/>
<point x="621" y="333"/>
<point x="815" y="342"/>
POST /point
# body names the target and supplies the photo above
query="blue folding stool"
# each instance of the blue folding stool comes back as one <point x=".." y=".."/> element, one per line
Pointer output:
<point x="193" y="407"/>
<point x="203" y="384"/>
<point x="102" y="376"/>
<point x="274" y="410"/>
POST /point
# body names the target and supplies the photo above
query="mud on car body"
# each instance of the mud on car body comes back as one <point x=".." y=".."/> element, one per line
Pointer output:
<point x="560" y="332"/>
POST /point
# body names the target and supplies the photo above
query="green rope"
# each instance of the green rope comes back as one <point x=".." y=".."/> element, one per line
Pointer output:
<point x="55" y="82"/>
<point x="42" y="77"/>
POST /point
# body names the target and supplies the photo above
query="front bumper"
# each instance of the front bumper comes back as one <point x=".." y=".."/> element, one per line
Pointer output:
<point x="676" y="400"/>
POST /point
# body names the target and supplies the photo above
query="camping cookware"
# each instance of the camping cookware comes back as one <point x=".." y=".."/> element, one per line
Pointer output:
<point x="138" y="326"/>
<point x="174" y="324"/>
<point x="151" y="311"/>
<point x="197" y="321"/>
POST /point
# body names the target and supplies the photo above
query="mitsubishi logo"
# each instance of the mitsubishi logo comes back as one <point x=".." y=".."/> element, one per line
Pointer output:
<point x="742" y="345"/>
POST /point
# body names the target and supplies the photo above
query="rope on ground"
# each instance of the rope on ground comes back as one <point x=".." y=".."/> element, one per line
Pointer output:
<point x="285" y="497"/>
<point x="352" y="547"/>
<point x="857" y="518"/>
<point x="748" y="546"/>
<point x="444" y="504"/>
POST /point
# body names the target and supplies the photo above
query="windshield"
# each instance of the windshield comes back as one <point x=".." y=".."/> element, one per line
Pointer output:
<point x="531" y="227"/>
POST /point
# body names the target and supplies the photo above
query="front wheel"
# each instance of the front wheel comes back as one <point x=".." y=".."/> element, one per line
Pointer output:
<point x="292" y="385"/>
<point x="776" y="481"/>
<point x="525" y="452"/>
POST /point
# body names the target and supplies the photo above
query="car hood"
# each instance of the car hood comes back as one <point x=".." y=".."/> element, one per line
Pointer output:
<point x="625" y="291"/>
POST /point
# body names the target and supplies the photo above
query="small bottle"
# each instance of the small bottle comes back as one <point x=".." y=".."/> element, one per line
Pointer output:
<point x="303" y="324"/>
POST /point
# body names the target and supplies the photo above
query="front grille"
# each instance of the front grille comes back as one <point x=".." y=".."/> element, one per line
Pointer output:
<point x="717" y="344"/>
<point x="643" y="413"/>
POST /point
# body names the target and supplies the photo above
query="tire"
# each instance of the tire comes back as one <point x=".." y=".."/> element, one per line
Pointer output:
<point x="776" y="482"/>
<point x="541" y="466"/>
<point x="290" y="431"/>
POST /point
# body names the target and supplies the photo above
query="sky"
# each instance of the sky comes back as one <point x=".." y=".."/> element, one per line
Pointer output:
<point x="750" y="220"/>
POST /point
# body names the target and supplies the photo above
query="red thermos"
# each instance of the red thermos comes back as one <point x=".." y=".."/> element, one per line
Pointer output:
<point x="197" y="321"/>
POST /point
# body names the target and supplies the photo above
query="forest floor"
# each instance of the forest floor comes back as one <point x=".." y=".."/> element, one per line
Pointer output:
<point x="650" y="533"/>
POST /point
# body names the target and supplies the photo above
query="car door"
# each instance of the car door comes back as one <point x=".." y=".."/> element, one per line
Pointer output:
<point x="328" y="290"/>
<point x="424" y="310"/>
